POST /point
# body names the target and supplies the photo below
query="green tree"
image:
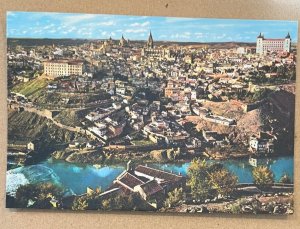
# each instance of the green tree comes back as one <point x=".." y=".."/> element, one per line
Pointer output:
<point x="80" y="204"/>
<point x="223" y="182"/>
<point x="285" y="179"/>
<point x="263" y="177"/>
<point x="106" y="204"/>
<point x="90" y="201"/>
<point x="125" y="202"/>
<point x="261" y="94"/>
<point x="36" y="193"/>
<point x="198" y="179"/>
<point x="174" y="197"/>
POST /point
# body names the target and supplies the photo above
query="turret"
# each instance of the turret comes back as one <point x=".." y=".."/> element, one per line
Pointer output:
<point x="259" y="43"/>
<point x="287" y="43"/>
<point x="260" y="36"/>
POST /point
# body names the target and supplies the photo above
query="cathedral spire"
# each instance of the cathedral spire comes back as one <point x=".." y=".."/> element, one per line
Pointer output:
<point x="150" y="41"/>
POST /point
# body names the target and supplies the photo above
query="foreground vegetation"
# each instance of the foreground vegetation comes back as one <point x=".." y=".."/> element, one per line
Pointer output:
<point x="210" y="187"/>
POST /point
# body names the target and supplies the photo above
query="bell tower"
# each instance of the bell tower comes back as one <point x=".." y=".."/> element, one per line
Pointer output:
<point x="150" y="41"/>
<point x="259" y="44"/>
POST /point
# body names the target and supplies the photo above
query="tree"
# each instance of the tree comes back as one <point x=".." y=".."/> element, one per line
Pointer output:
<point x="261" y="94"/>
<point x="90" y="201"/>
<point x="198" y="179"/>
<point x="174" y="197"/>
<point x="36" y="193"/>
<point x="125" y="202"/>
<point x="107" y="204"/>
<point x="25" y="193"/>
<point x="285" y="179"/>
<point x="208" y="180"/>
<point x="80" y="204"/>
<point x="223" y="182"/>
<point x="263" y="177"/>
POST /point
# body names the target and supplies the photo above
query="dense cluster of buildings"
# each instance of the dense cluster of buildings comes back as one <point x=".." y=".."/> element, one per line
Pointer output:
<point x="149" y="89"/>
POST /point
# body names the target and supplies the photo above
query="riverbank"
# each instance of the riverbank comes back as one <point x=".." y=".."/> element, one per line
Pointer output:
<point x="76" y="177"/>
<point x="167" y="155"/>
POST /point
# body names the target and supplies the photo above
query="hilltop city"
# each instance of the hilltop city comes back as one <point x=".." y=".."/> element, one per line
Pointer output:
<point x="120" y="101"/>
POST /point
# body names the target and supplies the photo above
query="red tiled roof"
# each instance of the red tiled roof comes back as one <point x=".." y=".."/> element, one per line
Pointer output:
<point x="151" y="187"/>
<point x="157" y="173"/>
<point x="129" y="180"/>
<point x="123" y="189"/>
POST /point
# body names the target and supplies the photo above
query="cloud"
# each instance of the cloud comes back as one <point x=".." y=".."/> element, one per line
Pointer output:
<point x="136" y="24"/>
<point x="163" y="36"/>
<point x="76" y="18"/>
<point x="104" y="23"/>
<point x="48" y="26"/>
<point x="199" y="35"/>
<point x="135" y="30"/>
<point x="134" y="18"/>
<point x="107" y="33"/>
<point x="136" y="27"/>
<point x="185" y="35"/>
<point x="178" y="19"/>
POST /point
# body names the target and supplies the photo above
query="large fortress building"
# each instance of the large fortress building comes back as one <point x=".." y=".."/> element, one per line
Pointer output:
<point x="264" y="45"/>
<point x="63" y="67"/>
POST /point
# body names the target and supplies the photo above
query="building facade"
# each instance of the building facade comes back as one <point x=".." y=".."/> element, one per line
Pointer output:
<point x="264" y="45"/>
<point x="57" y="68"/>
<point x="151" y="51"/>
<point x="151" y="184"/>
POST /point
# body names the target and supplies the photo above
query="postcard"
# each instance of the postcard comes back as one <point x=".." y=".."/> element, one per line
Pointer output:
<point x="158" y="114"/>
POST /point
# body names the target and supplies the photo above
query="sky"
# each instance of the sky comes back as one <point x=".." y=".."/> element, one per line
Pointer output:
<point x="102" y="26"/>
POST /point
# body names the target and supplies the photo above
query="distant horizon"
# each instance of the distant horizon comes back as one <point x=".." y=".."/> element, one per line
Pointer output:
<point x="46" y="25"/>
<point x="116" y="39"/>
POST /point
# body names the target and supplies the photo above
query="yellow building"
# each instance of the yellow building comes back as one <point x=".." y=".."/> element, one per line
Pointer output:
<point x="63" y="67"/>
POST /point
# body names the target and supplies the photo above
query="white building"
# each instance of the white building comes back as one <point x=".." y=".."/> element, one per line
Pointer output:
<point x="57" y="68"/>
<point x="264" y="45"/>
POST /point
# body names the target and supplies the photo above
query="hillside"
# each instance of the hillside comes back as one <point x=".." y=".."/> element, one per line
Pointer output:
<point x="71" y="117"/>
<point x="31" y="87"/>
<point x="275" y="116"/>
<point x="29" y="126"/>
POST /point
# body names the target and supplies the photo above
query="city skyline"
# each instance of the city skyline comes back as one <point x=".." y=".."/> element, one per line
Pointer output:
<point x="103" y="26"/>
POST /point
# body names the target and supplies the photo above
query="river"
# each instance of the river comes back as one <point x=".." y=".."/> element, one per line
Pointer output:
<point x="76" y="178"/>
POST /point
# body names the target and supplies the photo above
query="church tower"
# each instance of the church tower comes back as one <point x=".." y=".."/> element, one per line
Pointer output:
<point x="287" y="43"/>
<point x="150" y="41"/>
<point x="122" y="41"/>
<point x="259" y="44"/>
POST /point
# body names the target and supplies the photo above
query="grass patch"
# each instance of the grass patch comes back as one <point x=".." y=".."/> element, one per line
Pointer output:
<point x="141" y="142"/>
<point x="30" y="87"/>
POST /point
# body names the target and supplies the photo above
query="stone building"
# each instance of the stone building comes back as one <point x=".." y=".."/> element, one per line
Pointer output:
<point x="264" y="45"/>
<point x="150" y="183"/>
